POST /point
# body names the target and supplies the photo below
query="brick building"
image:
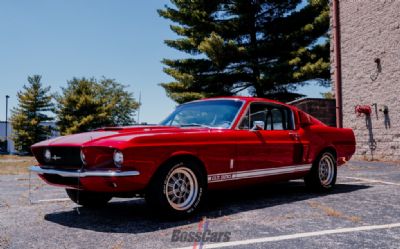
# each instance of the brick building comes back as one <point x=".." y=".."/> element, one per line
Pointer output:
<point x="369" y="52"/>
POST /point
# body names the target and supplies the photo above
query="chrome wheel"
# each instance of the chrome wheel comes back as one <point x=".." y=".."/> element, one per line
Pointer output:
<point x="326" y="170"/>
<point x="181" y="188"/>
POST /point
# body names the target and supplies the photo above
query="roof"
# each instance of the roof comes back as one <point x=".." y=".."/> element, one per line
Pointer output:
<point x="308" y="99"/>
<point x="247" y="99"/>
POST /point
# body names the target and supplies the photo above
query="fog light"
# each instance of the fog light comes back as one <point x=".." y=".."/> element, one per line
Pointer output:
<point x="118" y="158"/>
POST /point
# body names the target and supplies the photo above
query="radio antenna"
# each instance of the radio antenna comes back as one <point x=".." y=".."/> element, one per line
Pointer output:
<point x="140" y="105"/>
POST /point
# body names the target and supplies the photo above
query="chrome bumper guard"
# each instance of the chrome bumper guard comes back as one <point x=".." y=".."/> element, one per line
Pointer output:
<point x="79" y="173"/>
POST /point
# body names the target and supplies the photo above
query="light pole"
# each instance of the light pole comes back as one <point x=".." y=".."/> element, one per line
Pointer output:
<point x="7" y="97"/>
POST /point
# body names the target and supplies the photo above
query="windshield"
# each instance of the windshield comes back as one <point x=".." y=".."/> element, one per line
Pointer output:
<point x="208" y="113"/>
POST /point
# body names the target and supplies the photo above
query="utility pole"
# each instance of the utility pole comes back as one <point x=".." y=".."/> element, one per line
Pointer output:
<point x="7" y="97"/>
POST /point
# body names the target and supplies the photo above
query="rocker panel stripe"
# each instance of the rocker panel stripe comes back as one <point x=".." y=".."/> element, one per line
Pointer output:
<point x="237" y="175"/>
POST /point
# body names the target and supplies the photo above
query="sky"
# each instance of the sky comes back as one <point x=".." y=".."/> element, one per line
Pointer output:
<point x="62" y="39"/>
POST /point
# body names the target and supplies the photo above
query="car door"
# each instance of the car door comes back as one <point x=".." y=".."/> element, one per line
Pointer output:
<point x="267" y="142"/>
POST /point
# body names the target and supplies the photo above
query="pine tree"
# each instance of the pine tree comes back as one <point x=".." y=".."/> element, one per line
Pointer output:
<point x="35" y="103"/>
<point x="119" y="103"/>
<point x="267" y="47"/>
<point x="87" y="104"/>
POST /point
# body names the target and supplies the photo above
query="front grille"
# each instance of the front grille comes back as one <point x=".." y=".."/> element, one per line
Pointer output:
<point x="61" y="157"/>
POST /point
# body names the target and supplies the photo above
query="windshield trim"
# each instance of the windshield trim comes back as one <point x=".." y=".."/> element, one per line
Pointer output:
<point x="217" y="99"/>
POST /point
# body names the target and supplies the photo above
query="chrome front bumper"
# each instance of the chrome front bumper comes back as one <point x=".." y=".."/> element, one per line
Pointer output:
<point x="80" y="173"/>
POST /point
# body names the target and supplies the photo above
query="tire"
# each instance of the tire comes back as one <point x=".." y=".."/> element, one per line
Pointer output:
<point x="88" y="199"/>
<point x="177" y="190"/>
<point x="322" y="176"/>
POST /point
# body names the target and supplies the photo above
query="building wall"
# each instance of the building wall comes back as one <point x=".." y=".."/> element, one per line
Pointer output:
<point x="370" y="30"/>
<point x="11" y="147"/>
<point x="10" y="143"/>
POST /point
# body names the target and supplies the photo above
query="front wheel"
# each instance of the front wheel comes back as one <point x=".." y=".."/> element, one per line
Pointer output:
<point x="88" y="199"/>
<point x="322" y="176"/>
<point x="177" y="189"/>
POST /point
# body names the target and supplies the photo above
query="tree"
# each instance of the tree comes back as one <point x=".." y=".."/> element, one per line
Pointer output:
<point x="267" y="47"/>
<point x="328" y="95"/>
<point x="87" y="104"/>
<point x="119" y="103"/>
<point x="34" y="105"/>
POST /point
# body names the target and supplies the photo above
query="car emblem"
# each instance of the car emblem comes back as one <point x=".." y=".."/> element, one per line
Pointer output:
<point x="55" y="157"/>
<point x="48" y="157"/>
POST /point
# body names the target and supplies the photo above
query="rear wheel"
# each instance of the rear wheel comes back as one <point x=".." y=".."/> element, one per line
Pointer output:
<point x="322" y="176"/>
<point x="177" y="189"/>
<point x="88" y="199"/>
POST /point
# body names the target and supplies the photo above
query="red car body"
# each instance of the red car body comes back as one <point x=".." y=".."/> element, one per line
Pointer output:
<point x="229" y="156"/>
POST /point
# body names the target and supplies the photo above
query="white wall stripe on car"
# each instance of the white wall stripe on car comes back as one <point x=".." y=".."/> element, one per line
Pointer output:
<point x="237" y="175"/>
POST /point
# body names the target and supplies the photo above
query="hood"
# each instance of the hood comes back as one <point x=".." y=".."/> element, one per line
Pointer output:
<point x="116" y="133"/>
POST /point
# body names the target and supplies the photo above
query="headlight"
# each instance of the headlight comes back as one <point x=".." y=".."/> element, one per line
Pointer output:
<point x="118" y="158"/>
<point x="83" y="158"/>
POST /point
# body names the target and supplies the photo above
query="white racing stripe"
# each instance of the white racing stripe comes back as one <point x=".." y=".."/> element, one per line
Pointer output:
<point x="297" y="236"/>
<point x="372" y="180"/>
<point x="258" y="173"/>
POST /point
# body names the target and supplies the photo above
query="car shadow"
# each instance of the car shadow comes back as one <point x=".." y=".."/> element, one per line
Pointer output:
<point x="133" y="216"/>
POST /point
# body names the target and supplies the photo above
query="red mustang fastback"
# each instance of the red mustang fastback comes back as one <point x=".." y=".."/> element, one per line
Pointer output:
<point x="203" y="145"/>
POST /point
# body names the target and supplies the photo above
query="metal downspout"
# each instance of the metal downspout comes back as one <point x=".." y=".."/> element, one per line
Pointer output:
<point x="338" y="64"/>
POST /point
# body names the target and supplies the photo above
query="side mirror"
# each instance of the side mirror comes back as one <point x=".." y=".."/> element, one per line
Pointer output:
<point x="258" y="125"/>
<point x="305" y="119"/>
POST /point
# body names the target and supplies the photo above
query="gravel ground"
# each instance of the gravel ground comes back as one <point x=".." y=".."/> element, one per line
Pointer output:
<point x="367" y="193"/>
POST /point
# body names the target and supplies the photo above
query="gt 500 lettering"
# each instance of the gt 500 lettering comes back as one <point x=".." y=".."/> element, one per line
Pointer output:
<point x="225" y="177"/>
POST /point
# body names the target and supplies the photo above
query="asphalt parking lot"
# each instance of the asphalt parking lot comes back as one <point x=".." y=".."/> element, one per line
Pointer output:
<point x="362" y="212"/>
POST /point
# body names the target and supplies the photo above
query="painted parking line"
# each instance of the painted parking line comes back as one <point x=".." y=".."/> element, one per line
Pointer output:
<point x="372" y="180"/>
<point x="351" y="182"/>
<point x="297" y="236"/>
<point x="50" y="200"/>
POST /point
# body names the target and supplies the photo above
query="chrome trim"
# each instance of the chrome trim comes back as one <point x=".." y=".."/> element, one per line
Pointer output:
<point x="211" y="99"/>
<point x="79" y="173"/>
<point x="293" y="121"/>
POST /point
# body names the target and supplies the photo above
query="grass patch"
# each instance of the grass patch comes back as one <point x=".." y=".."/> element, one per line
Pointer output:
<point x="14" y="165"/>
<point x="332" y="212"/>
